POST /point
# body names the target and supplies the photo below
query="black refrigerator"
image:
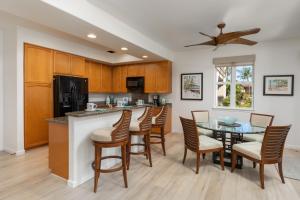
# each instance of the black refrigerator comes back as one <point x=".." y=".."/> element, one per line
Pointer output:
<point x="70" y="94"/>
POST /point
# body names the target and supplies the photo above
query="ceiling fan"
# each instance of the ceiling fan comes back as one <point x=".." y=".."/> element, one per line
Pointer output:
<point x="228" y="38"/>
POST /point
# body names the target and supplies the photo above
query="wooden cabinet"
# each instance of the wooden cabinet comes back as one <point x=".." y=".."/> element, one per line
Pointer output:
<point x="77" y="66"/>
<point x="93" y="73"/>
<point x="38" y="63"/>
<point x="99" y="76"/>
<point x="119" y="79"/>
<point x="106" y="78"/>
<point x="150" y="78"/>
<point x="68" y="64"/>
<point x="38" y="108"/>
<point x="59" y="149"/>
<point x="168" y="125"/>
<point x="62" y="63"/>
<point x="158" y="77"/>
<point x="137" y="70"/>
<point x="38" y="70"/>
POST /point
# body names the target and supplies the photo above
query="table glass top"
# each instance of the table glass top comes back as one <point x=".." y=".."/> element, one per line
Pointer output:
<point x="244" y="128"/>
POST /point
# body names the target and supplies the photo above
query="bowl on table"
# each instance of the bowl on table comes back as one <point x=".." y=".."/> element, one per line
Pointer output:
<point x="228" y="120"/>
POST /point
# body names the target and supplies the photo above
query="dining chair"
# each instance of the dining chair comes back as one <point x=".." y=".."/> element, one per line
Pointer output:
<point x="141" y="128"/>
<point x="202" y="116"/>
<point x="260" y="120"/>
<point x="270" y="151"/>
<point x="199" y="144"/>
<point x="116" y="136"/>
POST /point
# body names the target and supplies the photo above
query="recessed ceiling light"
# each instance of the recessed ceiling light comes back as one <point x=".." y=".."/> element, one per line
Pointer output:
<point x="91" y="35"/>
<point x="145" y="56"/>
<point x="124" y="48"/>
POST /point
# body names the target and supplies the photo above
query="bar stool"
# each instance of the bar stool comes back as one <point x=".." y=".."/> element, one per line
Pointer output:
<point x="141" y="127"/>
<point x="159" y="121"/>
<point x="117" y="136"/>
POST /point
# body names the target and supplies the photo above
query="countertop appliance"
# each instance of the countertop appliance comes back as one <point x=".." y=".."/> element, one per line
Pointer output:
<point x="70" y="94"/>
<point x="156" y="100"/>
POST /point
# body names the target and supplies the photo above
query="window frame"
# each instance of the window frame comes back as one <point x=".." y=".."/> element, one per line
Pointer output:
<point x="233" y="82"/>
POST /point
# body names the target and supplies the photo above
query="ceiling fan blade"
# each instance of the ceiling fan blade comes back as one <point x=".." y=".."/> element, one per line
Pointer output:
<point x="212" y="37"/>
<point x="241" y="41"/>
<point x="211" y="43"/>
<point x="232" y="35"/>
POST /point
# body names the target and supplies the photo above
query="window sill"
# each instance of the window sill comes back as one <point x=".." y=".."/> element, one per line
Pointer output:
<point x="233" y="109"/>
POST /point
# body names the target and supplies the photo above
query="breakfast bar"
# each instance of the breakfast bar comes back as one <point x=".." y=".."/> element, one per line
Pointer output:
<point x="71" y="135"/>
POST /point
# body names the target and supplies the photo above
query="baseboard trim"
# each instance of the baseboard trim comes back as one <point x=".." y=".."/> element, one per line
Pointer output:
<point x="20" y="152"/>
<point x="12" y="152"/>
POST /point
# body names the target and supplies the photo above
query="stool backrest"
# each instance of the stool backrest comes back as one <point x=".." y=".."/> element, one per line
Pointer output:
<point x="121" y="128"/>
<point x="261" y="120"/>
<point x="273" y="143"/>
<point x="191" y="137"/>
<point x="160" y="118"/>
<point x="146" y="119"/>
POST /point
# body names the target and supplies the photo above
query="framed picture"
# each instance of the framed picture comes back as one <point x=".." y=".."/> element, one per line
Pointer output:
<point x="192" y="86"/>
<point x="279" y="85"/>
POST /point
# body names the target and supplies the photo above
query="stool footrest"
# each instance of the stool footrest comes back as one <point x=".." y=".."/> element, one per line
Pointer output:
<point x="108" y="170"/>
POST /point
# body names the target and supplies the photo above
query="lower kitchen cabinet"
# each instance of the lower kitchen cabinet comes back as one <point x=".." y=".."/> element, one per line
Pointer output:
<point x="38" y="108"/>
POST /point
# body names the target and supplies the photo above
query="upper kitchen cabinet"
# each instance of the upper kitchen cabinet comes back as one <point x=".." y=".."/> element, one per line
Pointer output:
<point x="106" y="78"/>
<point x="93" y="73"/>
<point x="137" y="70"/>
<point x="77" y="66"/>
<point x="62" y="63"/>
<point x="158" y="77"/>
<point x="99" y="76"/>
<point x="119" y="79"/>
<point x="68" y="64"/>
<point x="38" y="62"/>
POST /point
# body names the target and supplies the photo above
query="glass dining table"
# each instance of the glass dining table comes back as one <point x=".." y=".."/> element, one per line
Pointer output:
<point x="230" y="135"/>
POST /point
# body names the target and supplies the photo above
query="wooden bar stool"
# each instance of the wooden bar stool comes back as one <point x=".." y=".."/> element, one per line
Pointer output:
<point x="159" y="121"/>
<point x="141" y="127"/>
<point x="117" y="136"/>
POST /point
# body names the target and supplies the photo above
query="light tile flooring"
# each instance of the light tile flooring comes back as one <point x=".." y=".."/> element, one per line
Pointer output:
<point x="28" y="177"/>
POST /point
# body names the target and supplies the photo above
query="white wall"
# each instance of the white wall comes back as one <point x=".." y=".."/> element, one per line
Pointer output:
<point x="1" y="90"/>
<point x="281" y="57"/>
<point x="17" y="31"/>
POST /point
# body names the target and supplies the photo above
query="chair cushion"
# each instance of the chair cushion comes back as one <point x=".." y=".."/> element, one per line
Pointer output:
<point x="253" y="137"/>
<point x="134" y="125"/>
<point x="207" y="143"/>
<point x="203" y="131"/>
<point x="102" y="135"/>
<point x="251" y="149"/>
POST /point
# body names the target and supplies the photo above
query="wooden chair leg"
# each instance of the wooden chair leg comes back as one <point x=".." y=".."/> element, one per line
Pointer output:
<point x="128" y="152"/>
<point x="203" y="156"/>
<point x="184" y="156"/>
<point x="261" y="174"/>
<point x="280" y="171"/>
<point x="254" y="164"/>
<point x="98" y="154"/>
<point x="198" y="163"/>
<point x="124" y="165"/>
<point x="222" y="159"/>
<point x="233" y="160"/>
<point x="147" y="144"/>
<point x="162" y="134"/>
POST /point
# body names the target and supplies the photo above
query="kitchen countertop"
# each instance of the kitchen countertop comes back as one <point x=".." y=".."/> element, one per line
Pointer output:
<point x="99" y="111"/>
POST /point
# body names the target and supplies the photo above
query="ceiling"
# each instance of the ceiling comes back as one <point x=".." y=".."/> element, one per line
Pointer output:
<point x="175" y="23"/>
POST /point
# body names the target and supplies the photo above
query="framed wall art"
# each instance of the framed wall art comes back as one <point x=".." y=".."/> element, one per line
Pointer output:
<point x="279" y="85"/>
<point x="192" y="86"/>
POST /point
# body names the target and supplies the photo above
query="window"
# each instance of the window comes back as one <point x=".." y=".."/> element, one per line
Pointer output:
<point x="234" y="85"/>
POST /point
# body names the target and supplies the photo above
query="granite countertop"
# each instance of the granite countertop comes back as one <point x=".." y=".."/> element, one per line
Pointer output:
<point x="98" y="111"/>
<point x="60" y="120"/>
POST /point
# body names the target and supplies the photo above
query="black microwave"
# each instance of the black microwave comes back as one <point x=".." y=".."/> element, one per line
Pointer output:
<point x="134" y="82"/>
